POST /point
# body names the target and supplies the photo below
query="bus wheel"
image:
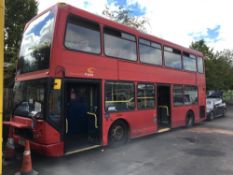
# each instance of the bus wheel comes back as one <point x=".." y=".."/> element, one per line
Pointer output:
<point x="211" y="116"/>
<point x="189" y="120"/>
<point x="118" y="133"/>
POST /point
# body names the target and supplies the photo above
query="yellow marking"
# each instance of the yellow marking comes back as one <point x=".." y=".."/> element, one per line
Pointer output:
<point x="119" y="101"/>
<point x="82" y="149"/>
<point x="57" y="84"/>
<point x="163" y="130"/>
<point x="127" y="101"/>
<point x="90" y="70"/>
<point x="94" y="115"/>
<point x="145" y="97"/>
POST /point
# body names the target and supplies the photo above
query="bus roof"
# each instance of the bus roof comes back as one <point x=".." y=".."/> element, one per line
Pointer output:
<point x="125" y="28"/>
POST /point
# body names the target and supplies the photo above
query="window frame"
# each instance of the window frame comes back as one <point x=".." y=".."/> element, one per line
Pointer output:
<point x="86" y="20"/>
<point x="169" y="51"/>
<point x="192" y="56"/>
<point x="183" y="95"/>
<point x="173" y="101"/>
<point x="136" y="96"/>
<point x="192" y="86"/>
<point x="57" y="126"/>
<point x="122" y="31"/>
<point x="150" y="45"/>
<point x="203" y="66"/>
<point x="19" y="71"/>
<point x="120" y="81"/>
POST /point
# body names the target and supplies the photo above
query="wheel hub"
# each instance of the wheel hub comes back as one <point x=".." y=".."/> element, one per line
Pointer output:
<point x="117" y="133"/>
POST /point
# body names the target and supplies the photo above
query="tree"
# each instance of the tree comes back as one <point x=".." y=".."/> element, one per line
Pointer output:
<point x="224" y="60"/>
<point x="17" y="14"/>
<point x="123" y="16"/>
<point x="226" y="54"/>
<point x="218" y="66"/>
<point x="202" y="47"/>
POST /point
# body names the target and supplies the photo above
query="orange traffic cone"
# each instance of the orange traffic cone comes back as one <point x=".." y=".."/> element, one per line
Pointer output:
<point x="10" y="147"/>
<point x="26" y="168"/>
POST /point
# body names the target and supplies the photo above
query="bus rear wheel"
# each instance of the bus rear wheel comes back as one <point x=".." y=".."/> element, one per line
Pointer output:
<point x="118" y="133"/>
<point x="189" y="120"/>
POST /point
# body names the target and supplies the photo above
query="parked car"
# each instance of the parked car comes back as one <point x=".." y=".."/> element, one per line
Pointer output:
<point x="215" y="107"/>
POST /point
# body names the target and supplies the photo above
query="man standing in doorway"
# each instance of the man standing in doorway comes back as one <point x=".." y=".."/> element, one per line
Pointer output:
<point x="77" y="110"/>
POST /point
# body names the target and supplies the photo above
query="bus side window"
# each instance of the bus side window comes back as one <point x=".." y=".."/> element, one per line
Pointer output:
<point x="119" y="44"/>
<point x="82" y="35"/>
<point x="146" y="96"/>
<point x="172" y="58"/>
<point x="119" y="96"/>
<point x="178" y="95"/>
<point x="190" y="92"/>
<point x="150" y="52"/>
<point x="200" y="65"/>
<point x="189" y="62"/>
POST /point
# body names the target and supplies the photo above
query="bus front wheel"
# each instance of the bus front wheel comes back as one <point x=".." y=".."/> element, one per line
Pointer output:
<point x="118" y="133"/>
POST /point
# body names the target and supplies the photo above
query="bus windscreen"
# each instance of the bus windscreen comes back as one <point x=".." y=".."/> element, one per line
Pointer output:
<point x="29" y="98"/>
<point x="35" y="47"/>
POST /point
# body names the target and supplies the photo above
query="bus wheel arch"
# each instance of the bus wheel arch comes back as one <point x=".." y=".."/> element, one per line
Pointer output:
<point x="118" y="132"/>
<point x="189" y="119"/>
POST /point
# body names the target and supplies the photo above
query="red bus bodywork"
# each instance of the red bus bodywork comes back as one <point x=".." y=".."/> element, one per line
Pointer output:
<point x="47" y="140"/>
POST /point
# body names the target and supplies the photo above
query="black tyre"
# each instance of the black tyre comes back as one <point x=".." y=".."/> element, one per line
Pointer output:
<point x="189" y="120"/>
<point x="118" y="133"/>
<point x="211" y="116"/>
<point x="224" y="112"/>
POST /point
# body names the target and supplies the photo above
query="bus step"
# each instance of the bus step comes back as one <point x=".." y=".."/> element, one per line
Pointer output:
<point x="82" y="149"/>
<point x="164" y="130"/>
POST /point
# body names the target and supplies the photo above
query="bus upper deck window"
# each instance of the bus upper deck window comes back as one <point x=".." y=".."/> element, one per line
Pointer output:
<point x="172" y="58"/>
<point x="189" y="62"/>
<point x="200" y="65"/>
<point x="82" y="35"/>
<point x="119" y="44"/>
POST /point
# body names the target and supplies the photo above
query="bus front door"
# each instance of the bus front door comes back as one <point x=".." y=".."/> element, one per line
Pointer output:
<point x="82" y="123"/>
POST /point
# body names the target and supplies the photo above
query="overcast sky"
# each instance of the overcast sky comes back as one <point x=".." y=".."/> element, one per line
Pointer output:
<point x="180" y="21"/>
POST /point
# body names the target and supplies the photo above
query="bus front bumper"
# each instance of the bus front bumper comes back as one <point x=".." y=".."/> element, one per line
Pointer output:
<point x="51" y="150"/>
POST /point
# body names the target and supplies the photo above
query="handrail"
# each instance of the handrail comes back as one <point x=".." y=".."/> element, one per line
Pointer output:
<point x="95" y="116"/>
<point x="127" y="101"/>
<point x="165" y="107"/>
<point x="67" y="126"/>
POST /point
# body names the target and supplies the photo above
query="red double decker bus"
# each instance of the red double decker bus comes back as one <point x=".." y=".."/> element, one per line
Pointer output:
<point x="84" y="81"/>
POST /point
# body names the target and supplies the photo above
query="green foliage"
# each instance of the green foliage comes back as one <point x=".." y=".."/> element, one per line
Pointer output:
<point x="228" y="96"/>
<point x="122" y="15"/>
<point x="202" y="47"/>
<point x="17" y="14"/>
<point x="218" y="66"/>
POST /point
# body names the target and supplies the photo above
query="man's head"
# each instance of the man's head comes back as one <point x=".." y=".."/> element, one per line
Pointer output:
<point x="73" y="94"/>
